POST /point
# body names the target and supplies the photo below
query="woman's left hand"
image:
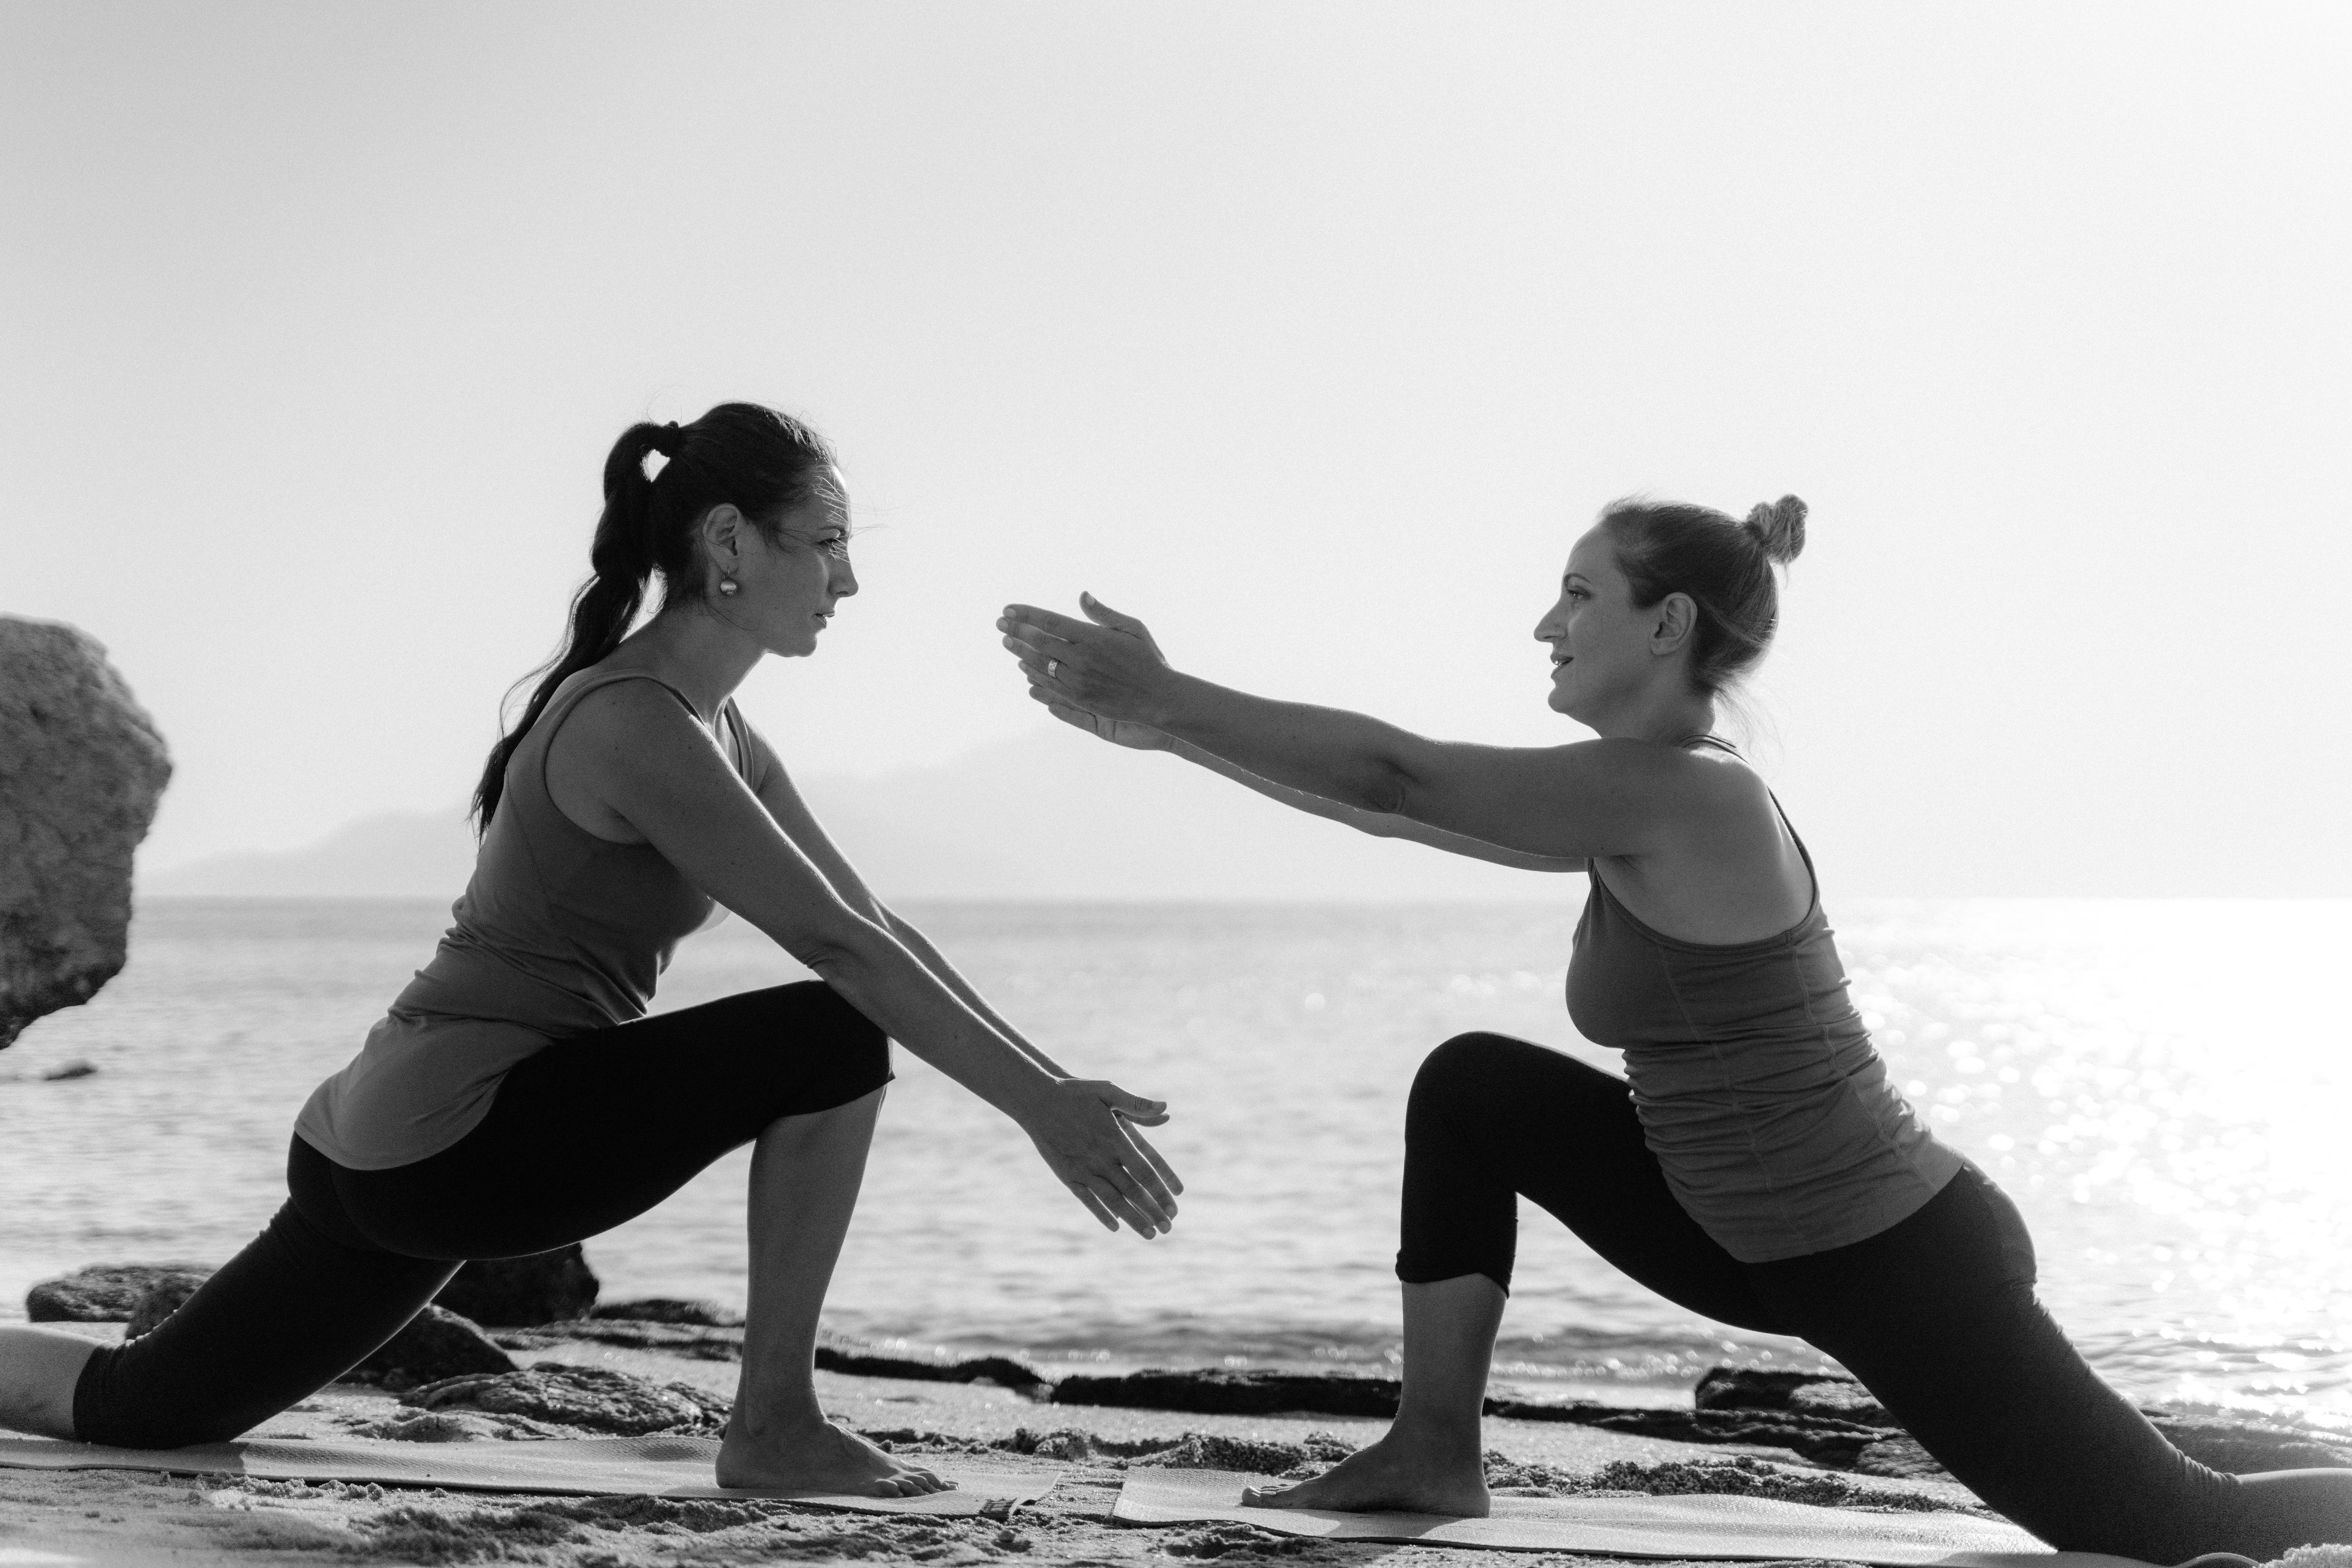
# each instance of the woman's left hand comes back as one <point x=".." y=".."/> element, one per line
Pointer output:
<point x="1107" y="665"/>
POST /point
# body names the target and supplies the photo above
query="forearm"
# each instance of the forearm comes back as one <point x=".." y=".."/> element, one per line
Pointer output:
<point x="882" y="978"/>
<point x="1347" y="758"/>
<point x="1380" y="824"/>
<point x="916" y="943"/>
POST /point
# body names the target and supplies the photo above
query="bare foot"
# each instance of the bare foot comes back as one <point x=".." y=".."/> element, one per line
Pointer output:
<point x="1396" y="1474"/>
<point x="822" y="1458"/>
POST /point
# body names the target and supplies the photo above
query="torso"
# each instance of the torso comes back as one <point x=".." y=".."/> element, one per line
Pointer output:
<point x="1735" y="874"/>
<point x="573" y="783"/>
<point x="1753" y="1076"/>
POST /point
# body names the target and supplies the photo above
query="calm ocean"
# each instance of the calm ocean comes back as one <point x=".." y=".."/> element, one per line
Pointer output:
<point x="2162" y="1086"/>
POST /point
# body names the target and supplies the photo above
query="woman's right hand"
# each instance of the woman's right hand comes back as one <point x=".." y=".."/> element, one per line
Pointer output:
<point x="1082" y="1129"/>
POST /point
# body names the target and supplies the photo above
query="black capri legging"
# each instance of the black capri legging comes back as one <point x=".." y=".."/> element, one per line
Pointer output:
<point x="591" y="1131"/>
<point x="1935" y="1314"/>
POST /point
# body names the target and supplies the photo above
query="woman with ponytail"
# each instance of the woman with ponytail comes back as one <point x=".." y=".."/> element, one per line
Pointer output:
<point x="518" y="1096"/>
<point x="1753" y="1165"/>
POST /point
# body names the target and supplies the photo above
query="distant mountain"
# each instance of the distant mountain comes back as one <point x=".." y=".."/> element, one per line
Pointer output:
<point x="1049" y="814"/>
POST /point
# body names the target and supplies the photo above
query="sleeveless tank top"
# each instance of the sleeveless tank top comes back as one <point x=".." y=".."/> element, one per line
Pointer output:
<point x="1754" y="1078"/>
<point x="558" y="932"/>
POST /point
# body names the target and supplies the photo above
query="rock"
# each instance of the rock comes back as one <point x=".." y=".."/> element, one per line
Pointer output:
<point x="71" y="1070"/>
<point x="1217" y="1391"/>
<point x="695" y="1340"/>
<point x="518" y="1292"/>
<point x="994" y="1369"/>
<point x="162" y="1298"/>
<point x="2243" y="1447"/>
<point x="456" y="1426"/>
<point x="81" y="769"/>
<point x="1900" y="1456"/>
<point x="669" y="1310"/>
<point x="436" y="1344"/>
<point x="593" y="1398"/>
<point x="1209" y="1451"/>
<point x="101" y="1293"/>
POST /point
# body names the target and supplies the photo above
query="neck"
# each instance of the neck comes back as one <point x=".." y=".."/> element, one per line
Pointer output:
<point x="694" y="649"/>
<point x="1665" y="718"/>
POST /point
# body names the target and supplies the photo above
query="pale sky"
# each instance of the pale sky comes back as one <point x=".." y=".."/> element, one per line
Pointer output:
<point x="1312" y="333"/>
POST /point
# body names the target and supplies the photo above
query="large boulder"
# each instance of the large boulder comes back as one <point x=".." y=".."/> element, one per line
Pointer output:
<point x="103" y="1292"/>
<point x="81" y="770"/>
<point x="521" y="1292"/>
<point x="434" y="1345"/>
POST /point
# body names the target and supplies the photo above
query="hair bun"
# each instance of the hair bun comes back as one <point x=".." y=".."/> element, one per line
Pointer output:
<point x="1779" y="527"/>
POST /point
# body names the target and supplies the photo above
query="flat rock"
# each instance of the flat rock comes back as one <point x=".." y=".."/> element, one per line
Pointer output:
<point x="101" y="1293"/>
<point x="435" y="1345"/>
<point x="668" y="1309"/>
<point x="81" y="770"/>
<point x="592" y="1398"/>
<point x="2243" y="1446"/>
<point x="518" y="1292"/>
<point x="162" y="1298"/>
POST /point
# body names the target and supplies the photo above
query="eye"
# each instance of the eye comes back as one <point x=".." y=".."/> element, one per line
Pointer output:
<point x="835" y="544"/>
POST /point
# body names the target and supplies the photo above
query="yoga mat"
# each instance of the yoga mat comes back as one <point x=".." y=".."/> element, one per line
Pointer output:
<point x="653" y="1467"/>
<point x="1684" y="1526"/>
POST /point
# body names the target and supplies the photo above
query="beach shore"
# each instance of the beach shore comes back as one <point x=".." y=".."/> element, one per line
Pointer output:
<point x="57" y="1519"/>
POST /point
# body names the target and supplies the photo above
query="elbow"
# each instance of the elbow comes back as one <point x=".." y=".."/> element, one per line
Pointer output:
<point x="1386" y="791"/>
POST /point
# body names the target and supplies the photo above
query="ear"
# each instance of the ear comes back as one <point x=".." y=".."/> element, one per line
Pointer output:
<point x="721" y="530"/>
<point x="1672" y="621"/>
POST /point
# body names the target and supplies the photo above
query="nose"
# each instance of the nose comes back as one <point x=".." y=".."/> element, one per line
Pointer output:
<point x="844" y="581"/>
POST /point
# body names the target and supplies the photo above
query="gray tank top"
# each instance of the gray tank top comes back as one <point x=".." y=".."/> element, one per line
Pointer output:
<point x="1755" y="1079"/>
<point x="558" y="932"/>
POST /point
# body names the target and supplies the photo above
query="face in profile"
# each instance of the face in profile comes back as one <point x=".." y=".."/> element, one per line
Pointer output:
<point x="1599" y="641"/>
<point x="789" y="590"/>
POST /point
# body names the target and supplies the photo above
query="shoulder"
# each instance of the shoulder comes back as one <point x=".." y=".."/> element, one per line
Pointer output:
<point x="642" y="702"/>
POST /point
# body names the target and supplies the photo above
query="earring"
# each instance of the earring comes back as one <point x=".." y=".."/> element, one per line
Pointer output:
<point x="729" y="588"/>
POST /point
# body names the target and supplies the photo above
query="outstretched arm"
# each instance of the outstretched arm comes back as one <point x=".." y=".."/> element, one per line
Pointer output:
<point x="1555" y="802"/>
<point x="663" y="774"/>
<point x="799" y="824"/>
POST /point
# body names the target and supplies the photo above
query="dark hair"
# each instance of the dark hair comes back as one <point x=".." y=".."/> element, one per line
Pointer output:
<point x="1724" y="567"/>
<point x="764" y="462"/>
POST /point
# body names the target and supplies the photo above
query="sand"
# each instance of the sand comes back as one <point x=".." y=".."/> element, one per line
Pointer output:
<point x="52" y="1520"/>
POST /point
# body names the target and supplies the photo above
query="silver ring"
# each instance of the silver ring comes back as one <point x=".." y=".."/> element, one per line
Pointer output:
<point x="1052" y="666"/>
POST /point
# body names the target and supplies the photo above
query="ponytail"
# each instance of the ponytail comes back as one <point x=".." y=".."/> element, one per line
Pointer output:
<point x="760" y="461"/>
<point x="604" y="608"/>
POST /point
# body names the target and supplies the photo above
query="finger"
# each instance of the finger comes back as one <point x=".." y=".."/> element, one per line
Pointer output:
<point x="1134" y="1105"/>
<point x="1095" y="1206"/>
<point x="1166" y="1171"/>
<point x="1033" y="654"/>
<point x="1116" y="1197"/>
<point x="1103" y="615"/>
<point x="1140" y="1187"/>
<point x="1078" y="716"/>
<point x="1068" y="627"/>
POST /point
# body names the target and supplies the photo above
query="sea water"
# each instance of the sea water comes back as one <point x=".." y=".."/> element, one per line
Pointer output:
<point x="2161" y="1085"/>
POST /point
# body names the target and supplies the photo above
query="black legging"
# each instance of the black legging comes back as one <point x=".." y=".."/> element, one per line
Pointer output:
<point x="1935" y="1314"/>
<point x="591" y="1131"/>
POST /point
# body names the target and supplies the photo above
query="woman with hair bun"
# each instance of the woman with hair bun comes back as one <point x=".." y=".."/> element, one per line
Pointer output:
<point x="518" y="1098"/>
<point x="1754" y="1164"/>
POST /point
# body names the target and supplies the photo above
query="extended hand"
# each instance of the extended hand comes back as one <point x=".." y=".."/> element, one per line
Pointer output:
<point x="1102" y="677"/>
<point x="1081" y="1127"/>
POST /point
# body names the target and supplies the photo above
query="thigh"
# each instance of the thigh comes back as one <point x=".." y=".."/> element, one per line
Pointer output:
<point x="595" y="1129"/>
<point x="1563" y="1133"/>
<point x="299" y="1306"/>
<point x="1937" y="1316"/>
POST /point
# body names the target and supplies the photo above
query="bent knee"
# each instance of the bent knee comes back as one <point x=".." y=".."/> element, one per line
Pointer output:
<point x="1475" y="1057"/>
<point x="847" y="1049"/>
